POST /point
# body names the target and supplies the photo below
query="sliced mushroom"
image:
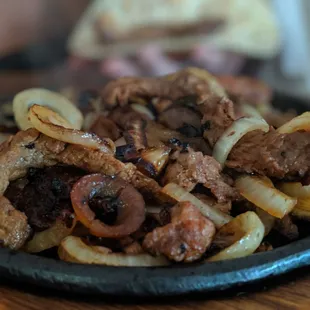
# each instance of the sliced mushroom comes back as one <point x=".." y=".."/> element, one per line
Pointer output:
<point x="152" y="161"/>
<point x="58" y="103"/>
<point x="135" y="134"/>
<point x="14" y="228"/>
<point x="183" y="116"/>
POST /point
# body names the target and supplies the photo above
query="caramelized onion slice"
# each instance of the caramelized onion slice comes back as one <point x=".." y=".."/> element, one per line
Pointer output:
<point x="297" y="190"/>
<point x="43" y="97"/>
<point x="177" y="193"/>
<point x="50" y="237"/>
<point x="53" y="125"/>
<point x="234" y="133"/>
<point x="261" y="192"/>
<point x="300" y="122"/>
<point x="73" y="249"/>
<point x="131" y="206"/>
<point x="245" y="232"/>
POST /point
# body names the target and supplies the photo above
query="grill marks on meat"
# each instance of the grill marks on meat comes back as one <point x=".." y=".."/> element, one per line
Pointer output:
<point x="45" y="195"/>
<point x="14" y="228"/>
<point x="192" y="168"/>
<point x="272" y="154"/>
<point x="186" y="238"/>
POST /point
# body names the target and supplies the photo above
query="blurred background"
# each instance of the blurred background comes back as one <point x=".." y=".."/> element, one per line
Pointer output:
<point x="84" y="43"/>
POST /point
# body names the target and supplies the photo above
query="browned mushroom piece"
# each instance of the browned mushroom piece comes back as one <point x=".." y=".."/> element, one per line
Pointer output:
<point x="152" y="161"/>
<point x="108" y="206"/>
<point x="135" y="134"/>
<point x="183" y="116"/>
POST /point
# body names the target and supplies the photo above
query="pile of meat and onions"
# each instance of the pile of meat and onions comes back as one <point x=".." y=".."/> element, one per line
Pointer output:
<point x="180" y="168"/>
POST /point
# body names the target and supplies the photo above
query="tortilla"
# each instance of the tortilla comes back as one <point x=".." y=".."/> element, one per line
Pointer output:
<point x="120" y="27"/>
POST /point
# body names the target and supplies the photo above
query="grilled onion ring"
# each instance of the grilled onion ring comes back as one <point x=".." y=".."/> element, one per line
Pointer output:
<point x="131" y="214"/>
<point x="73" y="249"/>
<point x="247" y="229"/>
<point x="54" y="126"/>
<point x="43" y="97"/>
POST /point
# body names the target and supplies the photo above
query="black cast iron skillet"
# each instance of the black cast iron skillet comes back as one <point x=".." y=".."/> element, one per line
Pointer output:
<point x="164" y="281"/>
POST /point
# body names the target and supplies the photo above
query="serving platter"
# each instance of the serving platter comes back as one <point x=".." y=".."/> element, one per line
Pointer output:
<point x="158" y="281"/>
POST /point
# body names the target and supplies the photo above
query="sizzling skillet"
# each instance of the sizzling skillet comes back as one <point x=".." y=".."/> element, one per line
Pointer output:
<point x="159" y="281"/>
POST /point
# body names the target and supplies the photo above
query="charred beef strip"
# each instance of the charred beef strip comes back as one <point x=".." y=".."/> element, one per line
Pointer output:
<point x="186" y="238"/>
<point x="281" y="156"/>
<point x="190" y="168"/>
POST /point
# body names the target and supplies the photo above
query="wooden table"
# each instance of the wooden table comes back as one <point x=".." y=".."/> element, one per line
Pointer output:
<point x="287" y="292"/>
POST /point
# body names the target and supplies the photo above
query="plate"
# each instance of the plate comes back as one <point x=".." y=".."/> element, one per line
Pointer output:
<point x="158" y="281"/>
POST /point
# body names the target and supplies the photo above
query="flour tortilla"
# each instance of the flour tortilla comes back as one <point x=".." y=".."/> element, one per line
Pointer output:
<point x="248" y="27"/>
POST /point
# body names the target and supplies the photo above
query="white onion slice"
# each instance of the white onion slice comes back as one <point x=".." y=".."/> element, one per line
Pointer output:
<point x="73" y="249"/>
<point x="297" y="190"/>
<point x="120" y="142"/>
<point x="49" y="238"/>
<point x="300" y="122"/>
<point x="234" y="133"/>
<point x="43" y="97"/>
<point x="47" y="122"/>
<point x="178" y="194"/>
<point x="249" y="231"/>
<point x="142" y="110"/>
<point x="261" y="192"/>
<point x="249" y="110"/>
